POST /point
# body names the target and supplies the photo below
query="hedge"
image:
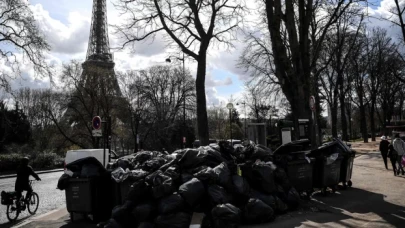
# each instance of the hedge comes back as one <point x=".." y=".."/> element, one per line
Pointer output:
<point x="10" y="162"/>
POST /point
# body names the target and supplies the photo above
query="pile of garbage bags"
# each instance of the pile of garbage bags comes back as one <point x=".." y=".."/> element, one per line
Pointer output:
<point x="230" y="186"/>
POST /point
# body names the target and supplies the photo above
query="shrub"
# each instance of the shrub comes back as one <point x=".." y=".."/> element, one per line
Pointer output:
<point x="10" y="162"/>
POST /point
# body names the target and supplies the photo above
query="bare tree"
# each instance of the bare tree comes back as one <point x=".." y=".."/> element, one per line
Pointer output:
<point x="20" y="41"/>
<point x="164" y="92"/>
<point x="189" y="25"/>
<point x="334" y="58"/>
<point x="296" y="47"/>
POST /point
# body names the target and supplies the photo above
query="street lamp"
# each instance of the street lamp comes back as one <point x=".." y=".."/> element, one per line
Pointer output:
<point x="184" y="100"/>
<point x="230" y="107"/>
<point x="244" y="107"/>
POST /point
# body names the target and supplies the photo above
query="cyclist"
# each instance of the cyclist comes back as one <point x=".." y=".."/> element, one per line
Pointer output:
<point x="22" y="183"/>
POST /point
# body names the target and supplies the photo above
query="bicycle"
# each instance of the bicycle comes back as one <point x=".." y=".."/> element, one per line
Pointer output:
<point x="17" y="206"/>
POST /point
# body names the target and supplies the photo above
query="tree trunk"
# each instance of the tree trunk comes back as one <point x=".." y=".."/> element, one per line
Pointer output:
<point x="333" y="110"/>
<point x="202" y="119"/>
<point x="363" y="122"/>
<point x="372" y="122"/>
<point x="342" y="114"/>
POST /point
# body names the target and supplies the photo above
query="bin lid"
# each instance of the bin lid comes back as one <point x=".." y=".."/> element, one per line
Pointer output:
<point x="294" y="146"/>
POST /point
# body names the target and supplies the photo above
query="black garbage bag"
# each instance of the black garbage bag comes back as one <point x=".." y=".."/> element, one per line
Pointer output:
<point x="192" y="158"/>
<point x="207" y="176"/>
<point x="204" y="205"/>
<point x="171" y="204"/>
<point x="264" y="176"/>
<point x="137" y="174"/>
<point x="176" y="220"/>
<point x="214" y="157"/>
<point x="261" y="152"/>
<point x="227" y="150"/>
<point x="225" y="215"/>
<point x="122" y="215"/>
<point x="293" y="199"/>
<point x="172" y="163"/>
<point x="63" y="182"/>
<point x="281" y="207"/>
<point x="143" y="156"/>
<point x="207" y="221"/>
<point x="266" y="198"/>
<point x="192" y="191"/>
<point x="112" y="224"/>
<point x="256" y="211"/>
<point x="218" y="195"/>
<point x="139" y="192"/>
<point x="224" y="176"/>
<point x="173" y="172"/>
<point x="144" y="212"/>
<point x="124" y="163"/>
<point x="186" y="177"/>
<point x="77" y="165"/>
<point x="240" y="185"/>
<point x="153" y="164"/>
<point x="162" y="186"/>
<point x="146" y="225"/>
<point x="281" y="178"/>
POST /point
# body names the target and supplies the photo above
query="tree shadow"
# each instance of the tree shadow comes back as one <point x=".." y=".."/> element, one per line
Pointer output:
<point x="347" y="208"/>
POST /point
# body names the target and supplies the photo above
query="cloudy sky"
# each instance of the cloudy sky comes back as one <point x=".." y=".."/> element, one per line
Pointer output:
<point x="66" y="24"/>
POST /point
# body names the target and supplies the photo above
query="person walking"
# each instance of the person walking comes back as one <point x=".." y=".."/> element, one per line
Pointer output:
<point x="392" y="154"/>
<point x="399" y="147"/>
<point x="384" y="149"/>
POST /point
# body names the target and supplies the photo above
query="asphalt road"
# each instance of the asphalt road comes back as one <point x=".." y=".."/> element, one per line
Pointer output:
<point x="50" y="198"/>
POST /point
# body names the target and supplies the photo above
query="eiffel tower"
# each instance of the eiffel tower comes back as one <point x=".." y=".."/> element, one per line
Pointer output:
<point x="99" y="65"/>
<point x="97" y="91"/>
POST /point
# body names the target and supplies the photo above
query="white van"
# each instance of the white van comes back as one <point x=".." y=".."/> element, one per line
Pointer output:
<point x="73" y="155"/>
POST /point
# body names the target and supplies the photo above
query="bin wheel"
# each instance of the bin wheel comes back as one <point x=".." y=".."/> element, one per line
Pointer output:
<point x="344" y="185"/>
<point x="324" y="192"/>
<point x="349" y="183"/>
<point x="308" y="194"/>
<point x="333" y="189"/>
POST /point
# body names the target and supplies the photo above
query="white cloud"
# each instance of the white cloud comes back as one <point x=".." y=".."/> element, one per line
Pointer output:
<point x="68" y="39"/>
<point x="211" y="82"/>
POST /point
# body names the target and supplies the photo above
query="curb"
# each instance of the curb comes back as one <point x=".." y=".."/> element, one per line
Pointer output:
<point x="38" y="172"/>
<point x="39" y="217"/>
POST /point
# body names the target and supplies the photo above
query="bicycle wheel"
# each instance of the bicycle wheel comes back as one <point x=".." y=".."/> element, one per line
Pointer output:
<point x="12" y="211"/>
<point x="33" y="203"/>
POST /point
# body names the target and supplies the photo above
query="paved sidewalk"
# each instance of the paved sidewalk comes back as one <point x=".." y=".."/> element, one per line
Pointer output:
<point x="375" y="200"/>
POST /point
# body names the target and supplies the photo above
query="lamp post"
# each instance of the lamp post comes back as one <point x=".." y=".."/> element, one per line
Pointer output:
<point x="184" y="100"/>
<point x="244" y="107"/>
<point x="230" y="107"/>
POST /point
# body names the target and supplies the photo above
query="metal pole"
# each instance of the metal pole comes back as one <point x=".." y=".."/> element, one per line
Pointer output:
<point x="230" y="124"/>
<point x="244" y="106"/>
<point x="184" y="106"/>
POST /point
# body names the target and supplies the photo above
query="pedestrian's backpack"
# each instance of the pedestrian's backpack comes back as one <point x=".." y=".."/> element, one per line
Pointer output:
<point x="7" y="197"/>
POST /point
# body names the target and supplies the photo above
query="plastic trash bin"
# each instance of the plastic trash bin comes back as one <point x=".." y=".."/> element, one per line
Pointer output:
<point x="79" y="196"/>
<point x="326" y="174"/>
<point x="300" y="173"/>
<point x="89" y="196"/>
<point x="346" y="169"/>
